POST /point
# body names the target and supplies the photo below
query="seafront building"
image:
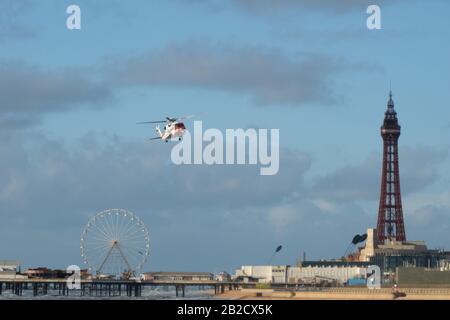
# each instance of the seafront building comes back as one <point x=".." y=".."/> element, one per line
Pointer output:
<point x="9" y="270"/>
<point x="177" y="276"/>
<point x="307" y="274"/>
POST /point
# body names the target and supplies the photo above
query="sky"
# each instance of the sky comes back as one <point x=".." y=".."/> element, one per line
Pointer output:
<point x="70" y="146"/>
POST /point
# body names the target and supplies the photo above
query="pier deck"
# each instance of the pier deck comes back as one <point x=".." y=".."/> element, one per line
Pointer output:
<point x="111" y="288"/>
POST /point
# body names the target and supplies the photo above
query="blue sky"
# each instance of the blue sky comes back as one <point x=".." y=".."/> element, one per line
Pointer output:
<point x="69" y="101"/>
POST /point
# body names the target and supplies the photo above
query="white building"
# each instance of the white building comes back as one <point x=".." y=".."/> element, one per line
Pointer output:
<point x="340" y="274"/>
<point x="288" y="274"/>
<point x="9" y="269"/>
<point x="263" y="274"/>
<point x="9" y="265"/>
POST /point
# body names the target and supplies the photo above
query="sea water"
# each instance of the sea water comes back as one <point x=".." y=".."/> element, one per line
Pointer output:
<point x="148" y="293"/>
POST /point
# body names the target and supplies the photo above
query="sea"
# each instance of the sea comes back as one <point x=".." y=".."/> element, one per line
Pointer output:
<point x="148" y="293"/>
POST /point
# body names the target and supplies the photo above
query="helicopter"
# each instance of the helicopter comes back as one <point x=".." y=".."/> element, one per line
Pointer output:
<point x="173" y="128"/>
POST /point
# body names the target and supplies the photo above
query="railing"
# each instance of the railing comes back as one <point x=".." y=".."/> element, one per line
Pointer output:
<point x="419" y="291"/>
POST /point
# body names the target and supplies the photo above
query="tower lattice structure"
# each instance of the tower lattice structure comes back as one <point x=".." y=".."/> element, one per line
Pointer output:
<point x="390" y="224"/>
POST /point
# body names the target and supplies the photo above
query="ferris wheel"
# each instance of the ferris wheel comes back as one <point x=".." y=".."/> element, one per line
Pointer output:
<point x="116" y="243"/>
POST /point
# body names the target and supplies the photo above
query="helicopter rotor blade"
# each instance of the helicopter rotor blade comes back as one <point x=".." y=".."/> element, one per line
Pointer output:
<point x="185" y="117"/>
<point x="168" y="119"/>
<point x="146" y="122"/>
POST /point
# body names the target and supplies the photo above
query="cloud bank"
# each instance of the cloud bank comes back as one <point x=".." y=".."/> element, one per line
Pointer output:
<point x="49" y="189"/>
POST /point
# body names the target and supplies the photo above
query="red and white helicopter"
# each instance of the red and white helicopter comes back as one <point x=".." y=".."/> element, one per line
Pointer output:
<point x="173" y="128"/>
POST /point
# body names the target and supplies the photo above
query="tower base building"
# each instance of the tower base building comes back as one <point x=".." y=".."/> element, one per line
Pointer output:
<point x="394" y="254"/>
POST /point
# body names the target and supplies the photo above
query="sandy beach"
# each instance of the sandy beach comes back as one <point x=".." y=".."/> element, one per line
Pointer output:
<point x="338" y="294"/>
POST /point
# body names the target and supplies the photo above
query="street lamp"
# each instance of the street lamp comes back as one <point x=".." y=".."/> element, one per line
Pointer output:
<point x="278" y="249"/>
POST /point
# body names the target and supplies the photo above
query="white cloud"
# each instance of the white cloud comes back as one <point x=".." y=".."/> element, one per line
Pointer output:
<point x="266" y="76"/>
<point x="283" y="216"/>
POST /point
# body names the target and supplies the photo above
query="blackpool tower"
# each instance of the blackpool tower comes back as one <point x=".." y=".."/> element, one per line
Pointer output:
<point x="390" y="226"/>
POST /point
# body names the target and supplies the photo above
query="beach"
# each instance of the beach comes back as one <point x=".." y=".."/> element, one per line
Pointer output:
<point x="339" y="294"/>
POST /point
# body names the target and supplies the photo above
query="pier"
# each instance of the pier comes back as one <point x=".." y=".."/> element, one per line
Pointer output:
<point x="108" y="288"/>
